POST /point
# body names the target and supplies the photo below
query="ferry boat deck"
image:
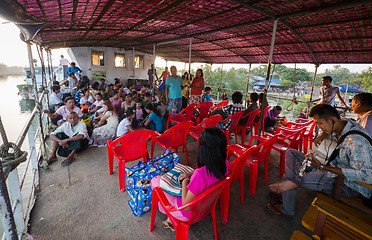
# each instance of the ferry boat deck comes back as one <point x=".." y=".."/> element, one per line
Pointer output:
<point x="82" y="201"/>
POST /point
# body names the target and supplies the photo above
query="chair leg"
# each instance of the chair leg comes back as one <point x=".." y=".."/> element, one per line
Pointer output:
<point x="225" y="200"/>
<point x="213" y="212"/>
<point x="110" y="154"/>
<point x="241" y="183"/>
<point x="253" y="169"/>
<point x="282" y="162"/>
<point x="306" y="143"/>
<point x="236" y="136"/>
<point x="267" y="170"/>
<point x="187" y="158"/>
<point x="182" y="231"/>
<point x="227" y="134"/>
<point x="122" y="176"/>
<point x="243" y="132"/>
<point x="154" y="208"/>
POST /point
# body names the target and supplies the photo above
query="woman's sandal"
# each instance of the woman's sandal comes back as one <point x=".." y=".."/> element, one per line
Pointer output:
<point x="67" y="162"/>
<point x="276" y="208"/>
<point x="168" y="225"/>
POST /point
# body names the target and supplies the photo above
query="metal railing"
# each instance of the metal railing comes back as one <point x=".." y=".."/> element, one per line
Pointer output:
<point x="32" y="128"/>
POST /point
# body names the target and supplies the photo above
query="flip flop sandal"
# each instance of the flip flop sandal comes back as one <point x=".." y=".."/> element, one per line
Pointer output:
<point x="275" y="208"/>
<point x="67" y="162"/>
<point x="276" y="196"/>
<point x="167" y="225"/>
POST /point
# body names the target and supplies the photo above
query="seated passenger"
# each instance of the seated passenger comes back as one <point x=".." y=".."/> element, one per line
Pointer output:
<point x="87" y="98"/>
<point x="154" y="121"/>
<point x="213" y="167"/>
<point x="102" y="85"/>
<point x="207" y="96"/>
<point x="96" y="105"/>
<point x="116" y="101"/>
<point x="362" y="105"/>
<point x="138" y="86"/>
<point x="321" y="177"/>
<point x="71" y="137"/>
<point x="94" y="88"/>
<point x="272" y="117"/>
<point x="303" y="113"/>
<point x="141" y="113"/>
<point x="146" y="99"/>
<point x="128" y="103"/>
<point x="125" y="126"/>
<point x="64" y="110"/>
<point x="55" y="98"/>
<point x="253" y="98"/>
<point x="230" y="110"/>
<point x="105" y="125"/>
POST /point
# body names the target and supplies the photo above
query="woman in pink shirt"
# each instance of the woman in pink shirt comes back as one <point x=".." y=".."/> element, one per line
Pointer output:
<point x="213" y="167"/>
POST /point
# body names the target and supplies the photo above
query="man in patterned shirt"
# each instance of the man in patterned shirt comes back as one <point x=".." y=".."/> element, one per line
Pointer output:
<point x="231" y="109"/>
<point x="354" y="162"/>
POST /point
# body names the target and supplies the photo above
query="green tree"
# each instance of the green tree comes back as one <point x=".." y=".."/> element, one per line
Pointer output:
<point x="364" y="78"/>
<point x="339" y="74"/>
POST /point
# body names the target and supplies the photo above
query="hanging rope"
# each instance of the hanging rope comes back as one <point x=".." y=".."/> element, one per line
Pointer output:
<point x="10" y="159"/>
<point x="294" y="99"/>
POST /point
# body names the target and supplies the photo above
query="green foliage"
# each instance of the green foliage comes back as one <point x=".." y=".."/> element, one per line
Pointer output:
<point x="10" y="71"/>
<point x="339" y="75"/>
<point x="365" y="78"/>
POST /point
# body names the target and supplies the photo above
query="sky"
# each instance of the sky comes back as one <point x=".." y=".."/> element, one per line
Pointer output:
<point x="13" y="52"/>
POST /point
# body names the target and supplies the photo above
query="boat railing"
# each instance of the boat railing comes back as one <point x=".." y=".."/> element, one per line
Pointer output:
<point x="22" y="199"/>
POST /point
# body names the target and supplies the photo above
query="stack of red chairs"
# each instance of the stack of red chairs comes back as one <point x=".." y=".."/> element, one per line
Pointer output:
<point x="249" y="124"/>
<point x="196" y="131"/>
<point x="184" y="116"/>
<point x="203" y="112"/>
<point x="257" y="124"/>
<point x="233" y="125"/>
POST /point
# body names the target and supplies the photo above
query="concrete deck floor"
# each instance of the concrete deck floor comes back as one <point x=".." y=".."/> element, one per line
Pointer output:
<point x="82" y="201"/>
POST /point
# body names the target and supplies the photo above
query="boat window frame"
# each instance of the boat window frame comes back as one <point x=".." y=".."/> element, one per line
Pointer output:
<point x="124" y="64"/>
<point x="103" y="58"/>
<point x="140" y="56"/>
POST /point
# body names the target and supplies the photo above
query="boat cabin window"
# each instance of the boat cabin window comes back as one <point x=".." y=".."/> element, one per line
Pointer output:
<point x="119" y="60"/>
<point x="97" y="58"/>
<point x="138" y="61"/>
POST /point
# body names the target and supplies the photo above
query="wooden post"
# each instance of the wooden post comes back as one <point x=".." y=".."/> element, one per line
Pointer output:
<point x="189" y="77"/>
<point x="246" y="91"/>
<point x="312" y="90"/>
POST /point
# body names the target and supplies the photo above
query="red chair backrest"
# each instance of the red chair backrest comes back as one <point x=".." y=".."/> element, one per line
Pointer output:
<point x="204" y="109"/>
<point x="235" y="120"/>
<point x="236" y="167"/>
<point x="296" y="139"/>
<point x="251" y="116"/>
<point x="221" y="104"/>
<point x="209" y="122"/>
<point x="265" y="111"/>
<point x="312" y="127"/>
<point x="134" y="143"/>
<point x="266" y="148"/>
<point x="201" y="205"/>
<point x="188" y="111"/>
<point x="179" y="133"/>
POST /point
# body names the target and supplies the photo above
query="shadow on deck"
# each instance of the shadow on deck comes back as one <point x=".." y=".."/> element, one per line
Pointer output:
<point x="82" y="201"/>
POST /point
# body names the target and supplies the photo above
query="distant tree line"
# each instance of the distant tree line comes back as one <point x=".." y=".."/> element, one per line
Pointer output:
<point x="10" y="71"/>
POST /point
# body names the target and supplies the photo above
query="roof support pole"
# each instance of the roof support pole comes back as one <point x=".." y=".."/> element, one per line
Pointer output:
<point x="246" y="91"/>
<point x="264" y="101"/>
<point x="134" y="66"/>
<point x="210" y="75"/>
<point x="45" y="82"/>
<point x="312" y="90"/>
<point x="189" y="76"/>
<point x="153" y="50"/>
<point x="39" y="107"/>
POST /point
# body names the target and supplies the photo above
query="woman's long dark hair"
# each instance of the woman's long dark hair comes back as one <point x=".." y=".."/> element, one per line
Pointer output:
<point x="151" y="107"/>
<point x="212" y="151"/>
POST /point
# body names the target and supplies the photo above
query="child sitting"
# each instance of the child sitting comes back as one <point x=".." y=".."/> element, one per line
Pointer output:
<point x="207" y="96"/>
<point x="140" y="113"/>
<point x="272" y="117"/>
<point x="125" y="125"/>
<point x="213" y="167"/>
<point x="154" y="120"/>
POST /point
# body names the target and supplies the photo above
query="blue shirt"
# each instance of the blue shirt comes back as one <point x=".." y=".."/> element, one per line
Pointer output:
<point x="158" y="121"/>
<point x="73" y="70"/>
<point x="207" y="98"/>
<point x="174" y="85"/>
<point x="161" y="88"/>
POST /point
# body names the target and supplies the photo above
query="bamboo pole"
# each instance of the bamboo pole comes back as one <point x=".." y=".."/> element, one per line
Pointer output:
<point x="189" y="76"/>
<point x="312" y="89"/>
<point x="246" y="92"/>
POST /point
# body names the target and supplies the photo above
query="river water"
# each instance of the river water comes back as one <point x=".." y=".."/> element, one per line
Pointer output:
<point x="14" y="113"/>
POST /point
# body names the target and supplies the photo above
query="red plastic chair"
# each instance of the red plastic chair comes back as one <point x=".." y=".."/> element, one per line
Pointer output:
<point x="243" y="128"/>
<point x="236" y="168"/>
<point x="260" y="154"/>
<point x="200" y="207"/>
<point x="196" y="131"/>
<point x="284" y="143"/>
<point x="203" y="111"/>
<point x="132" y="146"/>
<point x="183" y="116"/>
<point x="257" y="124"/>
<point x="309" y="133"/>
<point x="221" y="104"/>
<point x="175" y="137"/>
<point x="233" y="125"/>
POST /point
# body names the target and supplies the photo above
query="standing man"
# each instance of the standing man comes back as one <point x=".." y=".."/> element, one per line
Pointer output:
<point x="329" y="92"/>
<point x="64" y="63"/>
<point x="362" y="105"/>
<point x="151" y="72"/>
<point x="173" y="93"/>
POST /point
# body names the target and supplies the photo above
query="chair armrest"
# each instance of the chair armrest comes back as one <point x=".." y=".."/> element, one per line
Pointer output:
<point x="163" y="199"/>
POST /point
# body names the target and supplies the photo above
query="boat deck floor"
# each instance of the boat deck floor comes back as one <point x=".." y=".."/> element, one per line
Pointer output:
<point x="82" y="201"/>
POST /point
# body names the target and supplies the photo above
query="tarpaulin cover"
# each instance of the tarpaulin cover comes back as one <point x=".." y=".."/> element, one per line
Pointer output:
<point x="222" y="31"/>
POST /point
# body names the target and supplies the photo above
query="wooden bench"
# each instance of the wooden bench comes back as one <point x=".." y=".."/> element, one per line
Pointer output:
<point x="298" y="235"/>
<point x="329" y="218"/>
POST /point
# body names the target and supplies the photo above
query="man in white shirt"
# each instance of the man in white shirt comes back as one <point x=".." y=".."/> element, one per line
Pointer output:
<point x="55" y="98"/>
<point x="64" y="63"/>
<point x="362" y="105"/>
<point x="329" y="92"/>
<point x="71" y="137"/>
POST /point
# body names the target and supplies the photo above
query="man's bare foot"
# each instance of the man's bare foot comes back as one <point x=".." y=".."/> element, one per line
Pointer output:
<point x="282" y="186"/>
<point x="52" y="159"/>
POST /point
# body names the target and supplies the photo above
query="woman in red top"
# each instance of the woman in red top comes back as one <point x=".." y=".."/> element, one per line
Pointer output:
<point x="197" y="87"/>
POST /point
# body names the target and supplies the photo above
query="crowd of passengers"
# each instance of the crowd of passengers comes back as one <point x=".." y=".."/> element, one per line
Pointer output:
<point x="95" y="113"/>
